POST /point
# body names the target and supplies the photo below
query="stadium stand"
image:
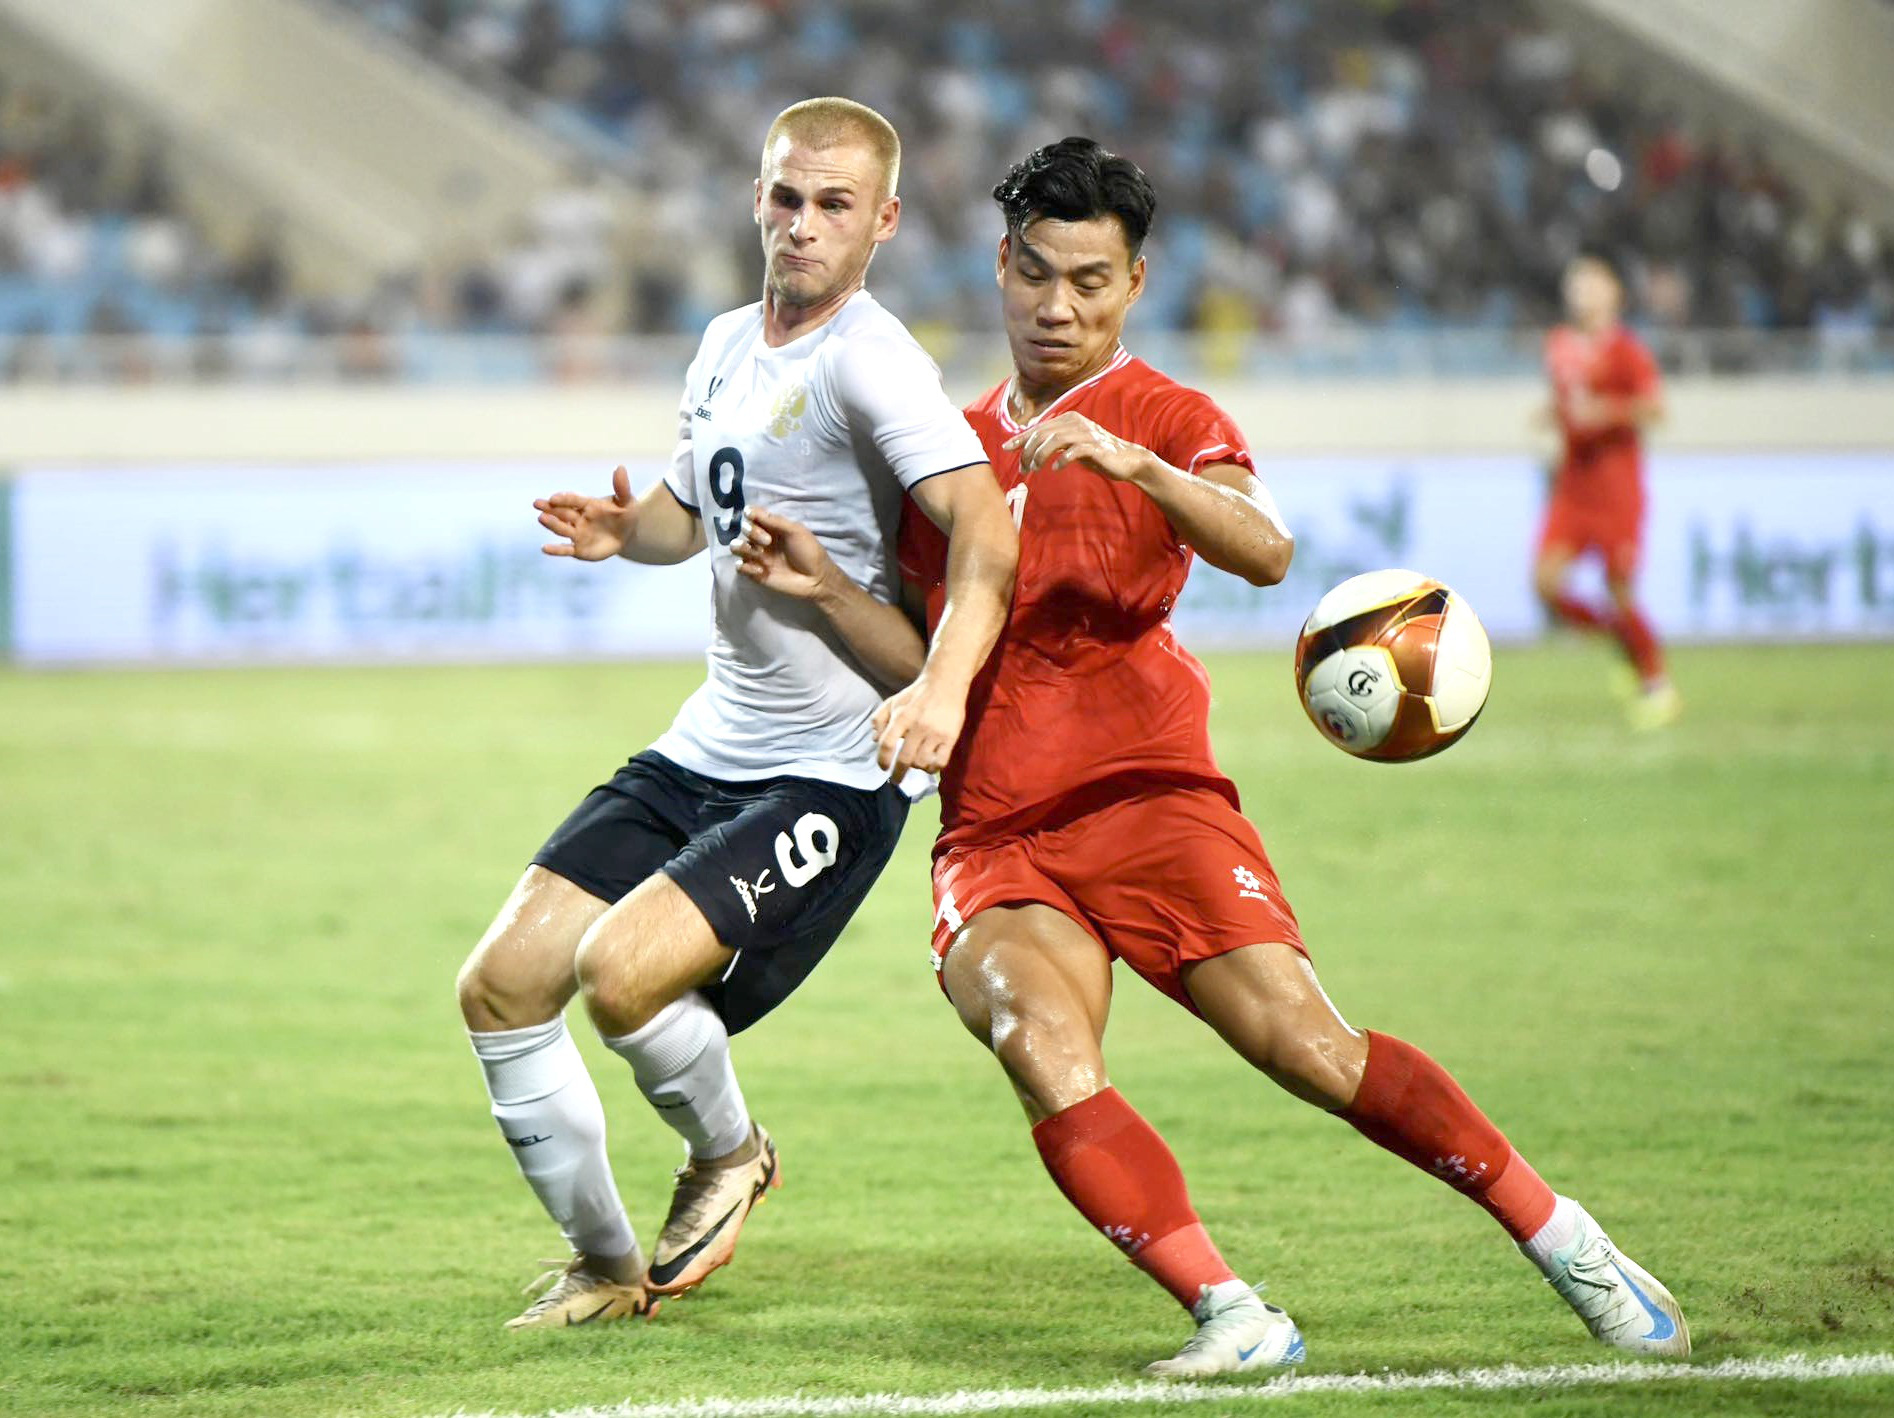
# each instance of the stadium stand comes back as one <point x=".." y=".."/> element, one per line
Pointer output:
<point x="1397" y="165"/>
<point x="1358" y="175"/>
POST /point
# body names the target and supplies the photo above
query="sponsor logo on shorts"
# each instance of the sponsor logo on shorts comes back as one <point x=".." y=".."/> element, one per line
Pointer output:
<point x="1248" y="883"/>
<point x="748" y="891"/>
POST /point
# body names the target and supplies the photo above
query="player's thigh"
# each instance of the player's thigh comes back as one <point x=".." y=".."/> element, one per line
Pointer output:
<point x="772" y="877"/>
<point x="628" y="828"/>
<point x="521" y="972"/>
<point x="1265" y="1002"/>
<point x="1171" y="875"/>
<point x="1559" y="545"/>
<point x="1195" y="907"/>
<point x="988" y="896"/>
<point x="1035" y="987"/>
<point x="805" y="858"/>
<point x="617" y="840"/>
<point x="644" y="952"/>
<point x="1621" y="546"/>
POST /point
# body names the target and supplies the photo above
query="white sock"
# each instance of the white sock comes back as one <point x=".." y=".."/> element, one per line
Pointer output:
<point x="1215" y="1297"/>
<point x="549" y="1113"/>
<point x="681" y="1060"/>
<point x="1554" y="1235"/>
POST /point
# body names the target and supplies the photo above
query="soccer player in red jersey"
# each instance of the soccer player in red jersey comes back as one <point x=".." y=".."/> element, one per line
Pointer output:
<point x="1084" y="819"/>
<point x="1605" y="392"/>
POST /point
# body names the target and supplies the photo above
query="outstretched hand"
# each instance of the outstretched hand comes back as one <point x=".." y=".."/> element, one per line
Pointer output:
<point x="774" y="551"/>
<point x="917" y="727"/>
<point x="594" y="528"/>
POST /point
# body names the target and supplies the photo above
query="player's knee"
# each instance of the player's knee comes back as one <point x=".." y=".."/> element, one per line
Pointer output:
<point x="1318" y="1068"/>
<point x="491" y="1001"/>
<point x="1546" y="581"/>
<point x="616" y="996"/>
<point x="1046" y="1050"/>
<point x="992" y="1002"/>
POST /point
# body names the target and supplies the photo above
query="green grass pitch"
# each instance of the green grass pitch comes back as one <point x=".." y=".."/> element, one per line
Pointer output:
<point x="248" y="1169"/>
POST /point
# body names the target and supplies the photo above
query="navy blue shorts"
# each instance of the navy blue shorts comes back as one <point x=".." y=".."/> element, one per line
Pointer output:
<point x="777" y="866"/>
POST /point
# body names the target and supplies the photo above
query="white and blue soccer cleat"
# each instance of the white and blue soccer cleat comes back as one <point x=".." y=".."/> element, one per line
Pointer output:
<point x="1235" y="1335"/>
<point x="1622" y="1303"/>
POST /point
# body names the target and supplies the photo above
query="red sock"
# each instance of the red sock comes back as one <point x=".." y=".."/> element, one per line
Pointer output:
<point x="1573" y="611"/>
<point x="1640" y="643"/>
<point x="1112" y="1165"/>
<point x="1410" y="1105"/>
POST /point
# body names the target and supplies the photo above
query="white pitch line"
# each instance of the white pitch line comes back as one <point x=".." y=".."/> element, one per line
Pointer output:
<point x="1792" y="1368"/>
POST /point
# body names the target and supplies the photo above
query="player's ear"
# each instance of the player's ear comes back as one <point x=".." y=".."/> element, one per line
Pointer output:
<point x="1005" y="254"/>
<point x="756" y="203"/>
<point x="888" y="219"/>
<point x="1137" y="281"/>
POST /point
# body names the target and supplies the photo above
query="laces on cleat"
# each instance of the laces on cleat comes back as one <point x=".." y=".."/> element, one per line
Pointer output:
<point x="556" y="1268"/>
<point x="565" y="1281"/>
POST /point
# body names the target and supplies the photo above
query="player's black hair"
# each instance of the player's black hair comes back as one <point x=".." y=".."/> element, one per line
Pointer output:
<point x="1075" y="180"/>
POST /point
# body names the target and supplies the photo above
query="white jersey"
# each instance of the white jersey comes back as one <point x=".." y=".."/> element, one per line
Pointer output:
<point x="828" y="430"/>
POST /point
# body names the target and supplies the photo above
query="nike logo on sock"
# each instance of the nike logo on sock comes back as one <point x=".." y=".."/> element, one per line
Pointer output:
<point x="664" y="1272"/>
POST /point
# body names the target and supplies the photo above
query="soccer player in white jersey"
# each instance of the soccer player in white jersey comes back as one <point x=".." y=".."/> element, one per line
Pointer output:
<point x="689" y="895"/>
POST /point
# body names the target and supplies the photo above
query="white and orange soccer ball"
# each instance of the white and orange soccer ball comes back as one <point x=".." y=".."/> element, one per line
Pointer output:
<point x="1393" y="666"/>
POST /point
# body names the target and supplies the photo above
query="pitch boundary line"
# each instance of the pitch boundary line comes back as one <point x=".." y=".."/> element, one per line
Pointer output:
<point x="1791" y="1368"/>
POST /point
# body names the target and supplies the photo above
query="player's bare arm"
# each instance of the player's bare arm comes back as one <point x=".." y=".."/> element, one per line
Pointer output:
<point x="782" y="554"/>
<point x="1224" y="512"/>
<point x="655" y="529"/>
<point x="919" y="725"/>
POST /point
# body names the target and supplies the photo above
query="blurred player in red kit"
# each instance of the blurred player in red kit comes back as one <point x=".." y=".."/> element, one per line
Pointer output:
<point x="1084" y="818"/>
<point x="1605" y="392"/>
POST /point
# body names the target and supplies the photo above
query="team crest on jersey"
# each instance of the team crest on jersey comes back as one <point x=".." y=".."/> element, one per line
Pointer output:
<point x="785" y="415"/>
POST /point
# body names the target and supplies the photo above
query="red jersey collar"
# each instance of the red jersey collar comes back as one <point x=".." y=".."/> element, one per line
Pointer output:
<point x="1117" y="362"/>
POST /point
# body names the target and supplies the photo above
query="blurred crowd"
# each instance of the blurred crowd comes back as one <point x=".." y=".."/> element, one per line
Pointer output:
<point x="96" y="242"/>
<point x="1381" y="163"/>
<point x="1322" y="166"/>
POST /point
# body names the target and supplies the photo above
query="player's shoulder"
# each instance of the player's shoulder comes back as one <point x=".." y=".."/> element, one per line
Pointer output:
<point x="1153" y="405"/>
<point x="734" y="323"/>
<point x="867" y="343"/>
<point x="865" y="322"/>
<point x="1147" y="386"/>
<point x="729" y="332"/>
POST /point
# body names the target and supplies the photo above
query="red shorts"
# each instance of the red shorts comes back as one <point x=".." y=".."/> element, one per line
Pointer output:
<point x="1160" y="879"/>
<point x="1611" y="527"/>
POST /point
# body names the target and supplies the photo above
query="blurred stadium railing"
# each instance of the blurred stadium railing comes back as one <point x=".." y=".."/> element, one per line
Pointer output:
<point x="266" y="356"/>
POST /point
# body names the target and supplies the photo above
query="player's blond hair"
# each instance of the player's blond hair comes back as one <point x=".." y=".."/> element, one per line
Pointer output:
<point x="833" y="122"/>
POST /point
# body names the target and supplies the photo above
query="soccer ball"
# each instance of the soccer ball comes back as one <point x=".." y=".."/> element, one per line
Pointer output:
<point x="1393" y="666"/>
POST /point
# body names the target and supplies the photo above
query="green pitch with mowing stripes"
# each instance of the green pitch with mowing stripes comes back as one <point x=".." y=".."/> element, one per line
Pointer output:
<point x="248" y="1167"/>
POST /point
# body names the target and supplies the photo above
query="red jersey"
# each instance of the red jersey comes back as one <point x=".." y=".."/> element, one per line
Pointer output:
<point x="1613" y="364"/>
<point x="1087" y="681"/>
